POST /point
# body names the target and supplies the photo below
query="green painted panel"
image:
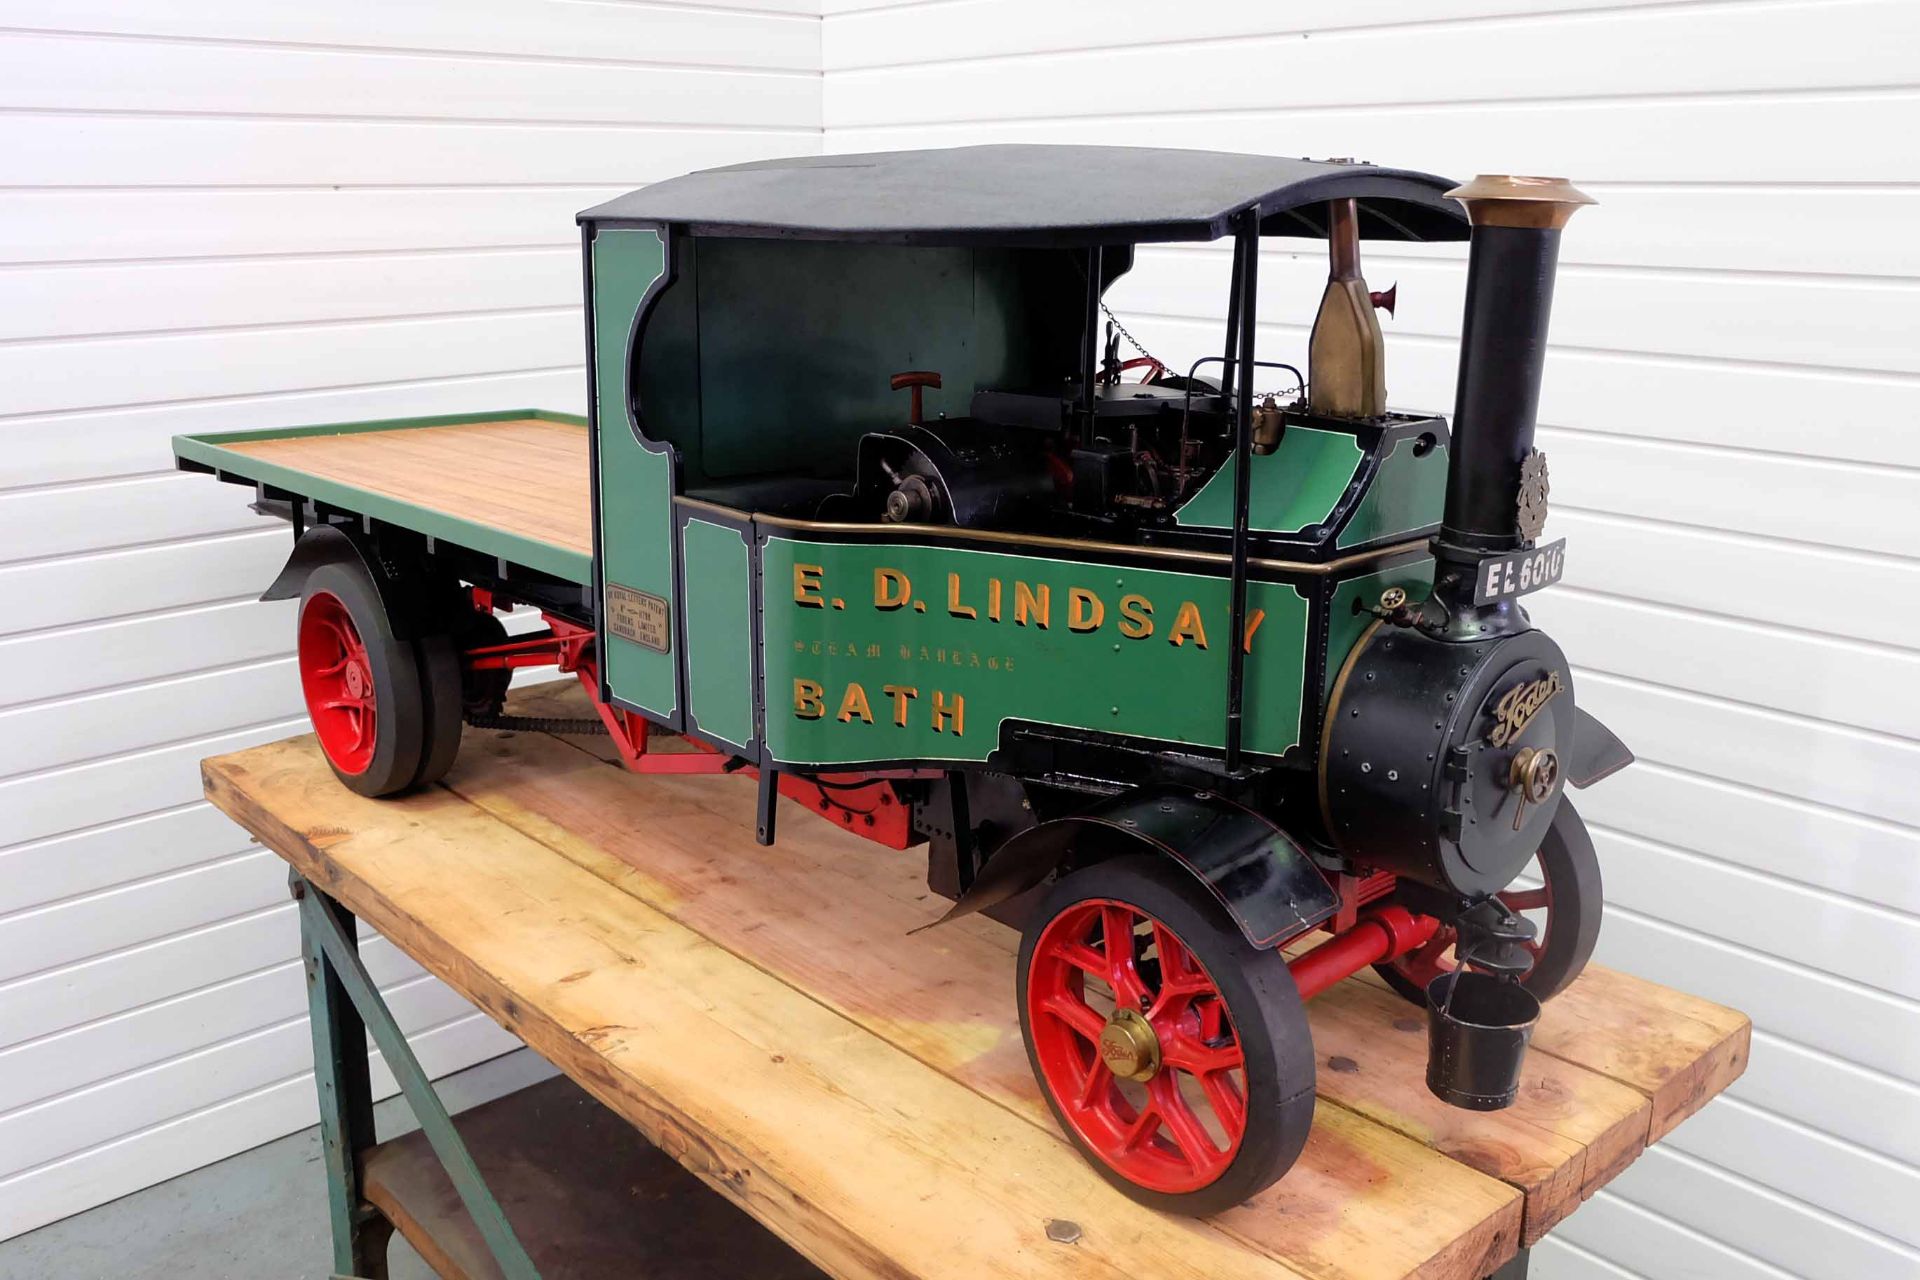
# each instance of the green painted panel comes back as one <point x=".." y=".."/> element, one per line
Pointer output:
<point x="1408" y="493"/>
<point x="719" y="590"/>
<point x="1347" y="623"/>
<point x="1294" y="488"/>
<point x="636" y="483"/>
<point x="981" y="637"/>
<point x="209" y="450"/>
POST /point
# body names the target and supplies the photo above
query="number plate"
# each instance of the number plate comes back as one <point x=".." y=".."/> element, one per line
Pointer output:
<point x="1518" y="572"/>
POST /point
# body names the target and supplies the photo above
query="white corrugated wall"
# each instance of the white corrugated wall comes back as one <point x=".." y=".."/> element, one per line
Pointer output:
<point x="227" y="214"/>
<point x="1732" y="410"/>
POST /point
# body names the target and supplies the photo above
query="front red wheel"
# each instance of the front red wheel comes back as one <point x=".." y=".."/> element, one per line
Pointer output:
<point x="1175" y="1055"/>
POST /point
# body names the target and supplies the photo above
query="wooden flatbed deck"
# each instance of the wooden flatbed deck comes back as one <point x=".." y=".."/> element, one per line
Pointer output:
<point x="761" y="1015"/>
<point x="505" y="485"/>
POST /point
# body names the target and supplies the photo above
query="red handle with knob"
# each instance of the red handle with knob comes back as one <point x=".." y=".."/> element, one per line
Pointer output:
<point x="915" y="379"/>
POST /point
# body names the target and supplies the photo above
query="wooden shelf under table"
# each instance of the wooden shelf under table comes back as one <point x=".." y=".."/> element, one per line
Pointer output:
<point x="762" y="1015"/>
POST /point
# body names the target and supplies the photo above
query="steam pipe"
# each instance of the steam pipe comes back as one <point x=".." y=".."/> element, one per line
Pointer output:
<point x="1503" y="345"/>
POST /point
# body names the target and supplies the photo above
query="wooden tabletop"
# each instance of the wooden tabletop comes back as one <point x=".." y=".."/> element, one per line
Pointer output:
<point x="762" y="1015"/>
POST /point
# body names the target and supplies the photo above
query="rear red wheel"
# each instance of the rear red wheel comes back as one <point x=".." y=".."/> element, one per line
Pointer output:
<point x="1175" y="1055"/>
<point x="362" y="684"/>
<point x="1564" y="908"/>
<point x="338" y="681"/>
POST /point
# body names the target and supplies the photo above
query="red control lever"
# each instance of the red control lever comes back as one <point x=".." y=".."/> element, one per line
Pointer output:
<point x="915" y="379"/>
<point x="1384" y="298"/>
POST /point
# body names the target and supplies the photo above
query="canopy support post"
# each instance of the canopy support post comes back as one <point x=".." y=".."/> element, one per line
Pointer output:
<point x="1246" y="257"/>
<point x="1090" y="344"/>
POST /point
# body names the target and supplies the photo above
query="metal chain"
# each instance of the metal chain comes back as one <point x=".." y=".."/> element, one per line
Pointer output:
<point x="1137" y="345"/>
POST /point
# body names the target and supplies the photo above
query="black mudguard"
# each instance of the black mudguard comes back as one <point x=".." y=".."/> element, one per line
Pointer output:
<point x="1266" y="881"/>
<point x="406" y="603"/>
<point x="1596" y="752"/>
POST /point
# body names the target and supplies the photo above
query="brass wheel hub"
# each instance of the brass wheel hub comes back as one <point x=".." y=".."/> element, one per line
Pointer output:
<point x="1129" y="1046"/>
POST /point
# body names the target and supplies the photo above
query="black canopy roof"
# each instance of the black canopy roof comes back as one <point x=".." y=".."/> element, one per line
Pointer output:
<point x="1039" y="195"/>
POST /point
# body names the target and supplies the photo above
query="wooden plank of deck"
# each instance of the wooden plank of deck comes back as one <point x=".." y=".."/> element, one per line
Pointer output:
<point x="524" y="476"/>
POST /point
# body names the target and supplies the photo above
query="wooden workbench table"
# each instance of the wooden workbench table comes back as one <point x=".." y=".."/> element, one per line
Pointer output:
<point x="762" y="1015"/>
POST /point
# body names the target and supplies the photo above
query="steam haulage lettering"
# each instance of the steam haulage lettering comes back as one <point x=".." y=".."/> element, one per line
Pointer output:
<point x="1077" y="610"/>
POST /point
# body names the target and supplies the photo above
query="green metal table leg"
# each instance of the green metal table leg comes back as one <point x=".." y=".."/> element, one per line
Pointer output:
<point x="346" y="1107"/>
<point x="330" y="930"/>
<point x="1515" y="1267"/>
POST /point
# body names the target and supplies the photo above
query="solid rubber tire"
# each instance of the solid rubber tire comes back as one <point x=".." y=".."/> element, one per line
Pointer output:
<point x="399" y="712"/>
<point x="1568" y="862"/>
<point x="1268" y="1017"/>
<point x="443" y="712"/>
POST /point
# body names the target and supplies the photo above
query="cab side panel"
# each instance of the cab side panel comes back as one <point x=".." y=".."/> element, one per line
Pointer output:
<point x="894" y="650"/>
<point x="634" y="494"/>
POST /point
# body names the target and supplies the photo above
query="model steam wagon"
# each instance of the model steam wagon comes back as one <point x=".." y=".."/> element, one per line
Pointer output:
<point x="1176" y="674"/>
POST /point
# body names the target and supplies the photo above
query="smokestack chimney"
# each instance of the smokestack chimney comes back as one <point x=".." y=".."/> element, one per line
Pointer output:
<point x="1503" y="346"/>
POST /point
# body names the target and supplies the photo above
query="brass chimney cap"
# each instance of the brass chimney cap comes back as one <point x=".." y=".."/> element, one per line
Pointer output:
<point x="1517" y="200"/>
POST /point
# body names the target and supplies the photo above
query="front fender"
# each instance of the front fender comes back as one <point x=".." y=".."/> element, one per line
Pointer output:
<point x="1263" y="879"/>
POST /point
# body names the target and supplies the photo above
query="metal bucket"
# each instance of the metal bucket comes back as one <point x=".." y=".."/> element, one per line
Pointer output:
<point x="1477" y="1032"/>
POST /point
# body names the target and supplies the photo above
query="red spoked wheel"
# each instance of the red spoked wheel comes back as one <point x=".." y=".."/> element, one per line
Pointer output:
<point x="362" y="685"/>
<point x="1564" y="907"/>
<point x="1175" y="1055"/>
<point x="337" y="678"/>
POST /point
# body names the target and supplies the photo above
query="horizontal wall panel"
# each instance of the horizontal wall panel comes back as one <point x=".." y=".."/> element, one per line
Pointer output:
<point x="1765" y="1224"/>
<point x="1654" y="1244"/>
<point x="911" y="32"/>
<point x="49" y="377"/>
<point x="171" y="1028"/>
<point x="1844" y="681"/>
<point x="100" y="857"/>
<point x="106" y="75"/>
<point x="216" y="952"/>
<point x="1871" y="1190"/>
<point x="74" y="1121"/>
<point x="116" y="584"/>
<point x="1862" y="1024"/>
<point x="48" y="937"/>
<point x="61" y="663"/>
<point x="159" y="223"/>
<point x="1728" y="139"/>
<point x="119" y="513"/>
<point x="136" y="438"/>
<point x="130" y="151"/>
<point x="1859" y="941"/>
<point x="1622" y="54"/>
<point x="140" y="1159"/>
<point x="120" y="298"/>
<point x="1821" y="846"/>
<point x="1760" y="747"/>
<point x="1864" y="1107"/>
<point x="1738" y="576"/>
<point x="45" y="804"/>
<point x="763" y="33"/>
<point x="1815" y="230"/>
<point x="51" y="735"/>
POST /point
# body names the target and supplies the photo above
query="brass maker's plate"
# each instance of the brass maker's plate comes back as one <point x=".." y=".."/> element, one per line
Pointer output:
<point x="639" y="617"/>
